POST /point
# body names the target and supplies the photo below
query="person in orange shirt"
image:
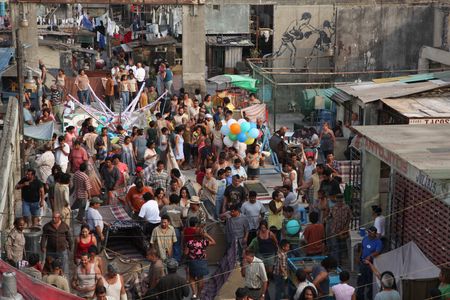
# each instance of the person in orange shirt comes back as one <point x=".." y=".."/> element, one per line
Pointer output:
<point x="135" y="196"/>
<point x="109" y="92"/>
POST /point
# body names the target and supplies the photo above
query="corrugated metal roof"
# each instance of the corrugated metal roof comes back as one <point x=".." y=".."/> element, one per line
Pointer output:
<point x="436" y="107"/>
<point x="336" y="95"/>
<point x="418" y="77"/>
<point x="368" y="91"/>
<point x="5" y="57"/>
<point x="415" y="144"/>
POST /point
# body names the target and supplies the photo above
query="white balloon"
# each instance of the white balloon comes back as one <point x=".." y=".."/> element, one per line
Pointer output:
<point x="227" y="141"/>
<point x="231" y="121"/>
<point x="241" y="121"/>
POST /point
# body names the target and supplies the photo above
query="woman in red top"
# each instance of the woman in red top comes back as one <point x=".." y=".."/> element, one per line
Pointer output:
<point x="83" y="242"/>
<point x="77" y="156"/>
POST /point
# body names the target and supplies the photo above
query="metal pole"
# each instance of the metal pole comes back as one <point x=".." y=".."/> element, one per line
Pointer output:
<point x="21" y="98"/>
<point x="274" y="98"/>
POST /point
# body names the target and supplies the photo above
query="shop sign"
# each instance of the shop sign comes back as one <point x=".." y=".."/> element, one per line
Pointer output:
<point x="387" y="156"/>
<point x="428" y="121"/>
<point x="426" y="182"/>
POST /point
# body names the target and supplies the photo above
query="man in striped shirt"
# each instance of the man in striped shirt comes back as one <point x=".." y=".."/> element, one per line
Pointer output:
<point x="82" y="188"/>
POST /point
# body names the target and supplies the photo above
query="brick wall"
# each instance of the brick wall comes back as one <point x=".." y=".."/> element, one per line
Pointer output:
<point x="426" y="221"/>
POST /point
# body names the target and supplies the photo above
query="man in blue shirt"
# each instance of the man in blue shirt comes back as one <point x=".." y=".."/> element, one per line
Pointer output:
<point x="371" y="248"/>
<point x="168" y="80"/>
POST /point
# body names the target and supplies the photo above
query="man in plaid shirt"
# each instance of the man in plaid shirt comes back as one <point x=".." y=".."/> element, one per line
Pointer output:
<point x="280" y="270"/>
<point x="82" y="188"/>
<point x="156" y="178"/>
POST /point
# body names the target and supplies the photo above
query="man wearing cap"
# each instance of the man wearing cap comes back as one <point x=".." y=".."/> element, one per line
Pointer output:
<point x="172" y="286"/>
<point x="94" y="219"/>
<point x="195" y="210"/>
<point x="55" y="278"/>
<point x="371" y="248"/>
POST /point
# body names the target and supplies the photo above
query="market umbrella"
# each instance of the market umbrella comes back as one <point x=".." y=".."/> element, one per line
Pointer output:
<point x="243" y="82"/>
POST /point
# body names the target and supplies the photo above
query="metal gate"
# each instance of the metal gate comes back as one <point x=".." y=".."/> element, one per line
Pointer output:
<point x="417" y="216"/>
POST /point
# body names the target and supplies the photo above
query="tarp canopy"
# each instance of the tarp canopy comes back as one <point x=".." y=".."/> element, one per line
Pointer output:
<point x="43" y="132"/>
<point x="244" y="82"/>
<point x="407" y="263"/>
<point x="31" y="288"/>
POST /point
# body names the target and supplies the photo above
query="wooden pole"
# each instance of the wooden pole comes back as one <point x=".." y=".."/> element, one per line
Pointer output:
<point x="20" y="79"/>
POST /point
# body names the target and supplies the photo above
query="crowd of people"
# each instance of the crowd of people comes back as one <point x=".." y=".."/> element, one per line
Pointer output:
<point x="141" y="170"/>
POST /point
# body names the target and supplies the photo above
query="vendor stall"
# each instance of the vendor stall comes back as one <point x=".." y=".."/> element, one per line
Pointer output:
<point x="124" y="236"/>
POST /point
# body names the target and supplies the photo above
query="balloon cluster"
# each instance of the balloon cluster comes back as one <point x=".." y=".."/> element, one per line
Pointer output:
<point x="242" y="131"/>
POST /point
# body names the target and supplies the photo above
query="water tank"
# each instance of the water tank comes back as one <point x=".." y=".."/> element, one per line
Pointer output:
<point x="32" y="240"/>
<point x="9" y="287"/>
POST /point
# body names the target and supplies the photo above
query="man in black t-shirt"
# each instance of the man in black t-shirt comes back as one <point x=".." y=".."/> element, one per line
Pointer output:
<point x="32" y="197"/>
<point x="330" y="186"/>
<point x="234" y="194"/>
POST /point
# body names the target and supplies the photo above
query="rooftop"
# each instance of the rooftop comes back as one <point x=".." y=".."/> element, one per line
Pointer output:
<point x="426" y="147"/>
<point x="424" y="107"/>
<point x="395" y="87"/>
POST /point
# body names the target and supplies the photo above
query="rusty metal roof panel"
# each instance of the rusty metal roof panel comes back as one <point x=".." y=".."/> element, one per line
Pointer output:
<point x="436" y="107"/>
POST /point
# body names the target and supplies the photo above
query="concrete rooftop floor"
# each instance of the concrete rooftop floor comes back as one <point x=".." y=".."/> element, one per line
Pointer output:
<point x="426" y="147"/>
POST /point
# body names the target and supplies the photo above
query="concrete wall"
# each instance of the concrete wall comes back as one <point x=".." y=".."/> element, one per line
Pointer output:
<point x="296" y="35"/>
<point x="370" y="185"/>
<point x="9" y="164"/>
<point x="382" y="37"/>
<point x="194" y="48"/>
<point x="29" y="34"/>
<point x="227" y="19"/>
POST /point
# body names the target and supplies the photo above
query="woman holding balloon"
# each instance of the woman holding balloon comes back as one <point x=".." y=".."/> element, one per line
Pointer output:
<point x="252" y="159"/>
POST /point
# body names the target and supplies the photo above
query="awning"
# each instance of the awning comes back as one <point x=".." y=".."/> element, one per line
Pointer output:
<point x="422" y="110"/>
<point x="369" y="92"/>
<point x="244" y="82"/>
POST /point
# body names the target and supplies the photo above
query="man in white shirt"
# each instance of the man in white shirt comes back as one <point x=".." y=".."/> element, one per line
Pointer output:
<point x="238" y="169"/>
<point x="194" y="109"/>
<point x="94" y="219"/>
<point x="62" y="151"/>
<point x="150" y="212"/>
<point x="254" y="211"/>
<point x="379" y="222"/>
<point x="140" y="74"/>
<point x="344" y="291"/>
<point x="69" y="107"/>
<point x="302" y="283"/>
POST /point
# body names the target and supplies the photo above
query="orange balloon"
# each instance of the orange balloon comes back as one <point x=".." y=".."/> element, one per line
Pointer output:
<point x="235" y="128"/>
